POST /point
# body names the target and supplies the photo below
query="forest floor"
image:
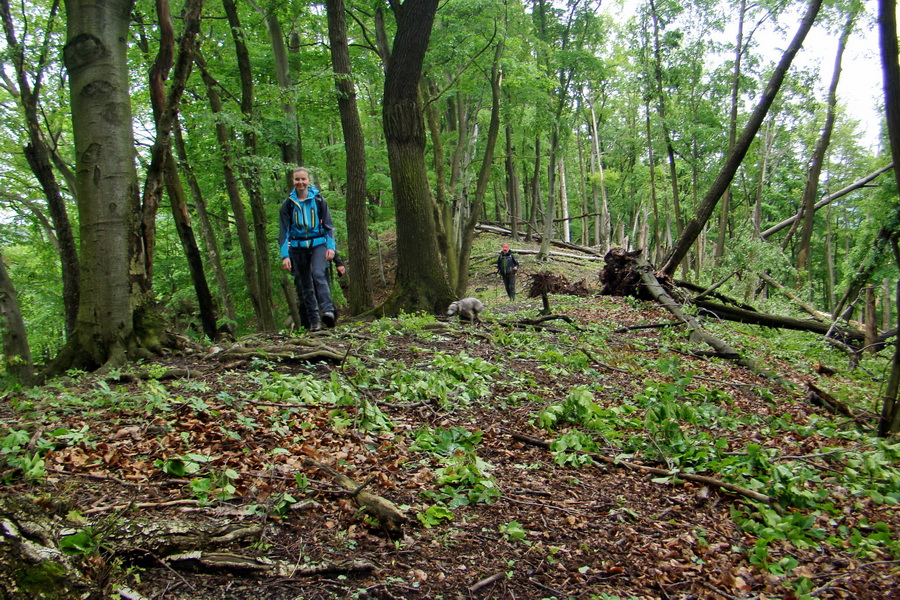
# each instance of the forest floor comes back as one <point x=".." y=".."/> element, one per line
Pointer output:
<point x="443" y="420"/>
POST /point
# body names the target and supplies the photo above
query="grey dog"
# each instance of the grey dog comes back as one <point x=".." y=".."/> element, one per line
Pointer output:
<point x="467" y="308"/>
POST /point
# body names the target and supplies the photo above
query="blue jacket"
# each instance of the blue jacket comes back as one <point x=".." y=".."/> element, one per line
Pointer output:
<point x="305" y="224"/>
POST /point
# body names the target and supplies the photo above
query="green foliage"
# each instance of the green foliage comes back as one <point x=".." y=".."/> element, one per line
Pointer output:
<point x="29" y="465"/>
<point x="445" y="442"/>
<point x="513" y="531"/>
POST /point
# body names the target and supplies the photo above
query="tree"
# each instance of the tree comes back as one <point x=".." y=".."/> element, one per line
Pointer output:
<point x="421" y="283"/>
<point x="361" y="297"/>
<point x="726" y="174"/>
<point x="16" y="351"/>
<point x="40" y="157"/>
<point x="810" y="191"/>
<point x="887" y="27"/>
<point x="106" y="179"/>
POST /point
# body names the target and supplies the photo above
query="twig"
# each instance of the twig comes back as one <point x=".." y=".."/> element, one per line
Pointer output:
<point x="831" y="583"/>
<point x="713" y="588"/>
<point x="169" y="567"/>
<point x="486" y="581"/>
<point x="649" y="326"/>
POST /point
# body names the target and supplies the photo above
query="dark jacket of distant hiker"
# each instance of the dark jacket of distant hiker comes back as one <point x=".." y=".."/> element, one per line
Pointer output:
<point x="507" y="265"/>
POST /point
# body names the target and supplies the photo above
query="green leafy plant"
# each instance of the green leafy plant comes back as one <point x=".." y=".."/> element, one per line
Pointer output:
<point x="513" y="531"/>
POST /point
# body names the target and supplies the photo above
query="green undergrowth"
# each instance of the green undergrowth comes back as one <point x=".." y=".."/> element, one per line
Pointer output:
<point x="665" y="414"/>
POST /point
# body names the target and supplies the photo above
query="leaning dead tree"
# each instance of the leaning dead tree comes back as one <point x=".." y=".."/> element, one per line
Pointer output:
<point x="629" y="274"/>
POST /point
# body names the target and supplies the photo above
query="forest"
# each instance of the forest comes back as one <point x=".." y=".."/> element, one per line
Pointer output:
<point x="694" y="395"/>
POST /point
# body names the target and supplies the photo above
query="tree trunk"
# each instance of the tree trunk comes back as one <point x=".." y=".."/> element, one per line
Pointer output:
<point x="162" y="164"/>
<point x="661" y="110"/>
<point x="231" y="187"/>
<point x="185" y="231"/>
<point x="16" y="352"/>
<point x="887" y="28"/>
<point x="250" y="175"/>
<point x="564" y="201"/>
<point x="95" y="57"/>
<point x="512" y="186"/>
<point x="39" y="158"/>
<point x="484" y="175"/>
<point x="732" y="130"/>
<point x="657" y="241"/>
<point x="535" y="191"/>
<point x="728" y="170"/>
<point x="601" y="222"/>
<point x="811" y="189"/>
<point x="290" y="146"/>
<point x="421" y="283"/>
<point x="207" y="232"/>
<point x="361" y="295"/>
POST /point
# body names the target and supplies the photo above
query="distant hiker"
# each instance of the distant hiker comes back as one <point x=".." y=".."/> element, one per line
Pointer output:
<point x="507" y="265"/>
<point x="306" y="239"/>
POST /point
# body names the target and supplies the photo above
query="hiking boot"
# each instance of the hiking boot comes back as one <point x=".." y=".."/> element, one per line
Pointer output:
<point x="315" y="327"/>
<point x="328" y="319"/>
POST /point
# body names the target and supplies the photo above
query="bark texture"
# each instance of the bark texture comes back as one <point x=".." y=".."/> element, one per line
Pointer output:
<point x="421" y="283"/>
<point x="105" y="174"/>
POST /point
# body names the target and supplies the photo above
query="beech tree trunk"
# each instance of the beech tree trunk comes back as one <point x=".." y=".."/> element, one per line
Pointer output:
<point x="95" y="57"/>
<point x="728" y="170"/>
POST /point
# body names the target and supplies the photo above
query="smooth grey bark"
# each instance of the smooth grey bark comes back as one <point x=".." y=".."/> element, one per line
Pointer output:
<point x="95" y="56"/>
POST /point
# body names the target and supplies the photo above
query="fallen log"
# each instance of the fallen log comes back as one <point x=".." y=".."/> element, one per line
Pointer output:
<point x="713" y="294"/>
<point x="387" y="513"/>
<point x="740" y="315"/>
<point x="537" y="236"/>
<point x="815" y="314"/>
<point x="697" y="332"/>
<point x="257" y="565"/>
<point x="711" y="481"/>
